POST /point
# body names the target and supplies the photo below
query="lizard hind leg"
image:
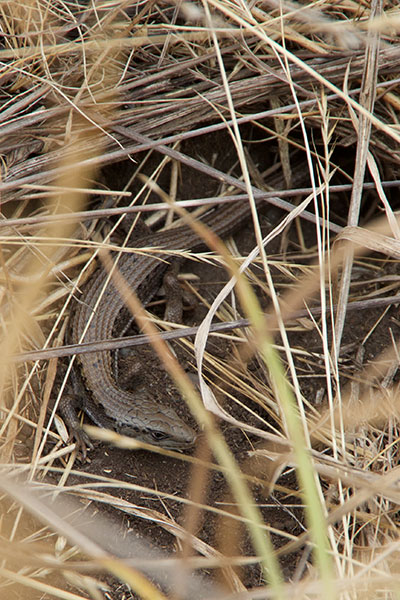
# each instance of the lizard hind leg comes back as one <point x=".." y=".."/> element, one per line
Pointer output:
<point x="173" y="296"/>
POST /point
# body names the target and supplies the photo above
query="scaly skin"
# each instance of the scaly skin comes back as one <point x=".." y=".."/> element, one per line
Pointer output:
<point x="133" y="413"/>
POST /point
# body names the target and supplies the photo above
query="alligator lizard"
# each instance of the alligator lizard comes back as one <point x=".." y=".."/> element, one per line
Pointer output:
<point x="132" y="413"/>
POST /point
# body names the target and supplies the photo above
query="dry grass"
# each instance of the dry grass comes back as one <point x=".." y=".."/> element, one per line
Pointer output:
<point x="85" y="85"/>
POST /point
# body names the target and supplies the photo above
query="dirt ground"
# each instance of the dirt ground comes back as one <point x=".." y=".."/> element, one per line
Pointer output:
<point x="282" y="509"/>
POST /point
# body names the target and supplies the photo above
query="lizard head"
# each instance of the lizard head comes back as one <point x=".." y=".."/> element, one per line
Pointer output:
<point x="162" y="428"/>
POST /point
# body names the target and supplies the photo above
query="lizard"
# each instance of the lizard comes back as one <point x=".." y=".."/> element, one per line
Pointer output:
<point x="108" y="405"/>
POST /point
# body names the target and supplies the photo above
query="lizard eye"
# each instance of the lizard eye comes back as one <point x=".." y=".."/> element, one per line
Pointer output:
<point x="158" y="435"/>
